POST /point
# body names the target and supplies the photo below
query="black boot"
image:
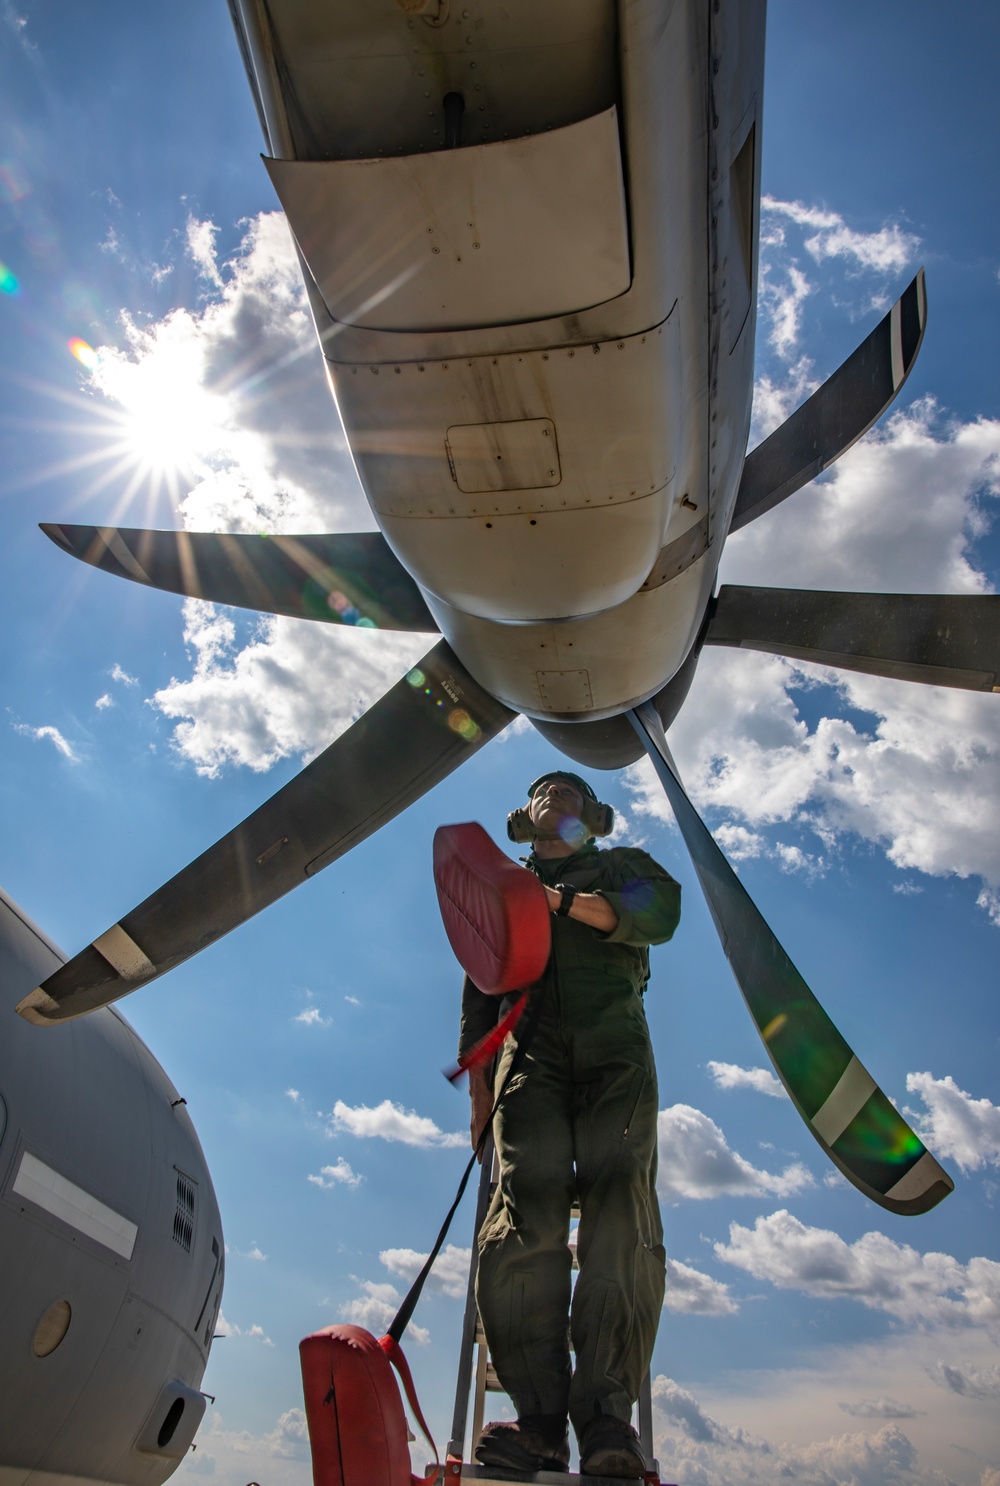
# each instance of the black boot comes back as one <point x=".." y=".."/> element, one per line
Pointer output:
<point x="610" y="1447"/>
<point x="538" y="1442"/>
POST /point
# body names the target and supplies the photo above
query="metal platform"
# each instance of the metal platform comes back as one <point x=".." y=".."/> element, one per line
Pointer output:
<point x="487" y="1475"/>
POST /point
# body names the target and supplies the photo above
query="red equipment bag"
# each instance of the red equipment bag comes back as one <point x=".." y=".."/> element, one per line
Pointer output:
<point x="496" y="914"/>
<point x="357" y="1428"/>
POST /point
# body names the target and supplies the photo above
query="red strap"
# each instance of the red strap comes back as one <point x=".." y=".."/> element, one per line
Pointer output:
<point x="394" y="1352"/>
<point x="487" y="1046"/>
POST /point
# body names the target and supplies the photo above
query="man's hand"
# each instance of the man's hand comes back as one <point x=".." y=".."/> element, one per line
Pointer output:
<point x="481" y="1094"/>
<point x="587" y="908"/>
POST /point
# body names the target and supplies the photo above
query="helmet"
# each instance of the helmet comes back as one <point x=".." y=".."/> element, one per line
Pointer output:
<point x="597" y="819"/>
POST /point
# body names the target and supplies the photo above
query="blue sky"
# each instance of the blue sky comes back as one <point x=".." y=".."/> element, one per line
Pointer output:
<point x="808" y="1331"/>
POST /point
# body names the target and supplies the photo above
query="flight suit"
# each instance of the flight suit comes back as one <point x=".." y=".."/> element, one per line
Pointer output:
<point x="579" y="1117"/>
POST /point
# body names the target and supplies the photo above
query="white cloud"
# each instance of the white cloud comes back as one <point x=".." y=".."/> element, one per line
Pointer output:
<point x="970" y="1382"/>
<point x="375" y="1308"/>
<point x="702" y="1451"/>
<point x="696" y="1162"/>
<point x="229" y="404"/>
<point x="732" y="1076"/>
<point x="783" y="302"/>
<point x="392" y="1122"/>
<point x="352" y="1000"/>
<point x="689" y="1292"/>
<point x="889" y="250"/>
<point x="252" y="1332"/>
<point x="200" y="242"/>
<point x="117" y="674"/>
<point x="921" y="779"/>
<point x="957" y="1126"/>
<point x="294" y="688"/>
<point x="919" y="1289"/>
<point x="312" y="1017"/>
<point x="231" y="1454"/>
<point x="449" y="1276"/>
<point x="341" y="1174"/>
<point x="293" y="1095"/>
<point x="880" y="1408"/>
<point x="54" y="736"/>
<point x="103" y="701"/>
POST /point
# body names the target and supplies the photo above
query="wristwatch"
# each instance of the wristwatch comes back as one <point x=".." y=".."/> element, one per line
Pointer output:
<point x="566" y="902"/>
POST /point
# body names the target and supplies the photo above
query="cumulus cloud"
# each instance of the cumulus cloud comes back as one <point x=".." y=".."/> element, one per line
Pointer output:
<point x="449" y="1276"/>
<point x="292" y="688"/>
<point x="312" y="1017"/>
<point x="252" y="1332"/>
<point x="200" y="242"/>
<point x="293" y="1095"/>
<point x="919" y="1289"/>
<point x="287" y="1441"/>
<point x="970" y="1382"/>
<point x="375" y="1308"/>
<point x="880" y="1408"/>
<point x="695" y="1162"/>
<point x="391" y="1122"/>
<point x="920" y="777"/>
<point x="103" y="701"/>
<point x="689" y="1292"/>
<point x="888" y="250"/>
<point x="702" y="1451"/>
<point x="955" y="1124"/>
<point x="340" y="1174"/>
<point x="732" y="1076"/>
<point x="117" y="674"/>
<point x="913" y="770"/>
<point x="683" y="1409"/>
<point x="228" y="407"/>
<point x="53" y="735"/>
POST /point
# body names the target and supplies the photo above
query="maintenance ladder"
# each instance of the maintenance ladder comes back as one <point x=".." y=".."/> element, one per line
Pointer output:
<point x="456" y="1467"/>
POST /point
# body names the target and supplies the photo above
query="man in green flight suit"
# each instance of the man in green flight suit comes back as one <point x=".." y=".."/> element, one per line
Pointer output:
<point x="579" y="1117"/>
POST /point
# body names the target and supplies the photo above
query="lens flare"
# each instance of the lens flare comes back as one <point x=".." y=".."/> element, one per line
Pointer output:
<point x="416" y="677"/>
<point x="461" y="723"/>
<point x="572" y="831"/>
<point x="86" y="355"/>
<point x="8" y="280"/>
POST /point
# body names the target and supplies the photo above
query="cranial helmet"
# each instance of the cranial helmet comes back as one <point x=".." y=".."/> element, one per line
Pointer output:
<point x="597" y="819"/>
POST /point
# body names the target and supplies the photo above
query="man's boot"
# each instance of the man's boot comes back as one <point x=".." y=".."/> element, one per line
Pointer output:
<point x="537" y="1442"/>
<point x="610" y="1447"/>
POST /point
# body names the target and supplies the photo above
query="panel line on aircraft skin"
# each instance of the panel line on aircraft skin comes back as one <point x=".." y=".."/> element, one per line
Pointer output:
<point x="847" y="1097"/>
<point x="62" y="1198"/>
<point x="124" y="955"/>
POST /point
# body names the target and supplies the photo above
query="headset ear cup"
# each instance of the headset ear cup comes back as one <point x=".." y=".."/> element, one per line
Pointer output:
<point x="598" y="819"/>
<point x="520" y="827"/>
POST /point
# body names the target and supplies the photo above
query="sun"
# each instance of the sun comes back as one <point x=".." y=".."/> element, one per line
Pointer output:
<point x="143" y="422"/>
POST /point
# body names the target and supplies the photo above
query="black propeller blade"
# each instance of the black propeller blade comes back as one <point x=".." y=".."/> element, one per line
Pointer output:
<point x="940" y="639"/>
<point x="838" y="413"/>
<point x="345" y="578"/>
<point x="416" y="735"/>
<point x="854" y="1122"/>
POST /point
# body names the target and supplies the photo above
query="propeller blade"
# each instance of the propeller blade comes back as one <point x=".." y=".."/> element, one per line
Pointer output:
<point x="838" y="413"/>
<point x="343" y="578"/>
<point x="940" y="639"/>
<point x="854" y="1122"/>
<point x="411" y="739"/>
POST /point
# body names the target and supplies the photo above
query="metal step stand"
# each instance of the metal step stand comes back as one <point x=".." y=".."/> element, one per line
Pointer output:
<point x="456" y="1467"/>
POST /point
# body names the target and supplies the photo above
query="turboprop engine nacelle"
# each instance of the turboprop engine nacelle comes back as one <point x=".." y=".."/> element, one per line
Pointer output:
<point x="529" y="235"/>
